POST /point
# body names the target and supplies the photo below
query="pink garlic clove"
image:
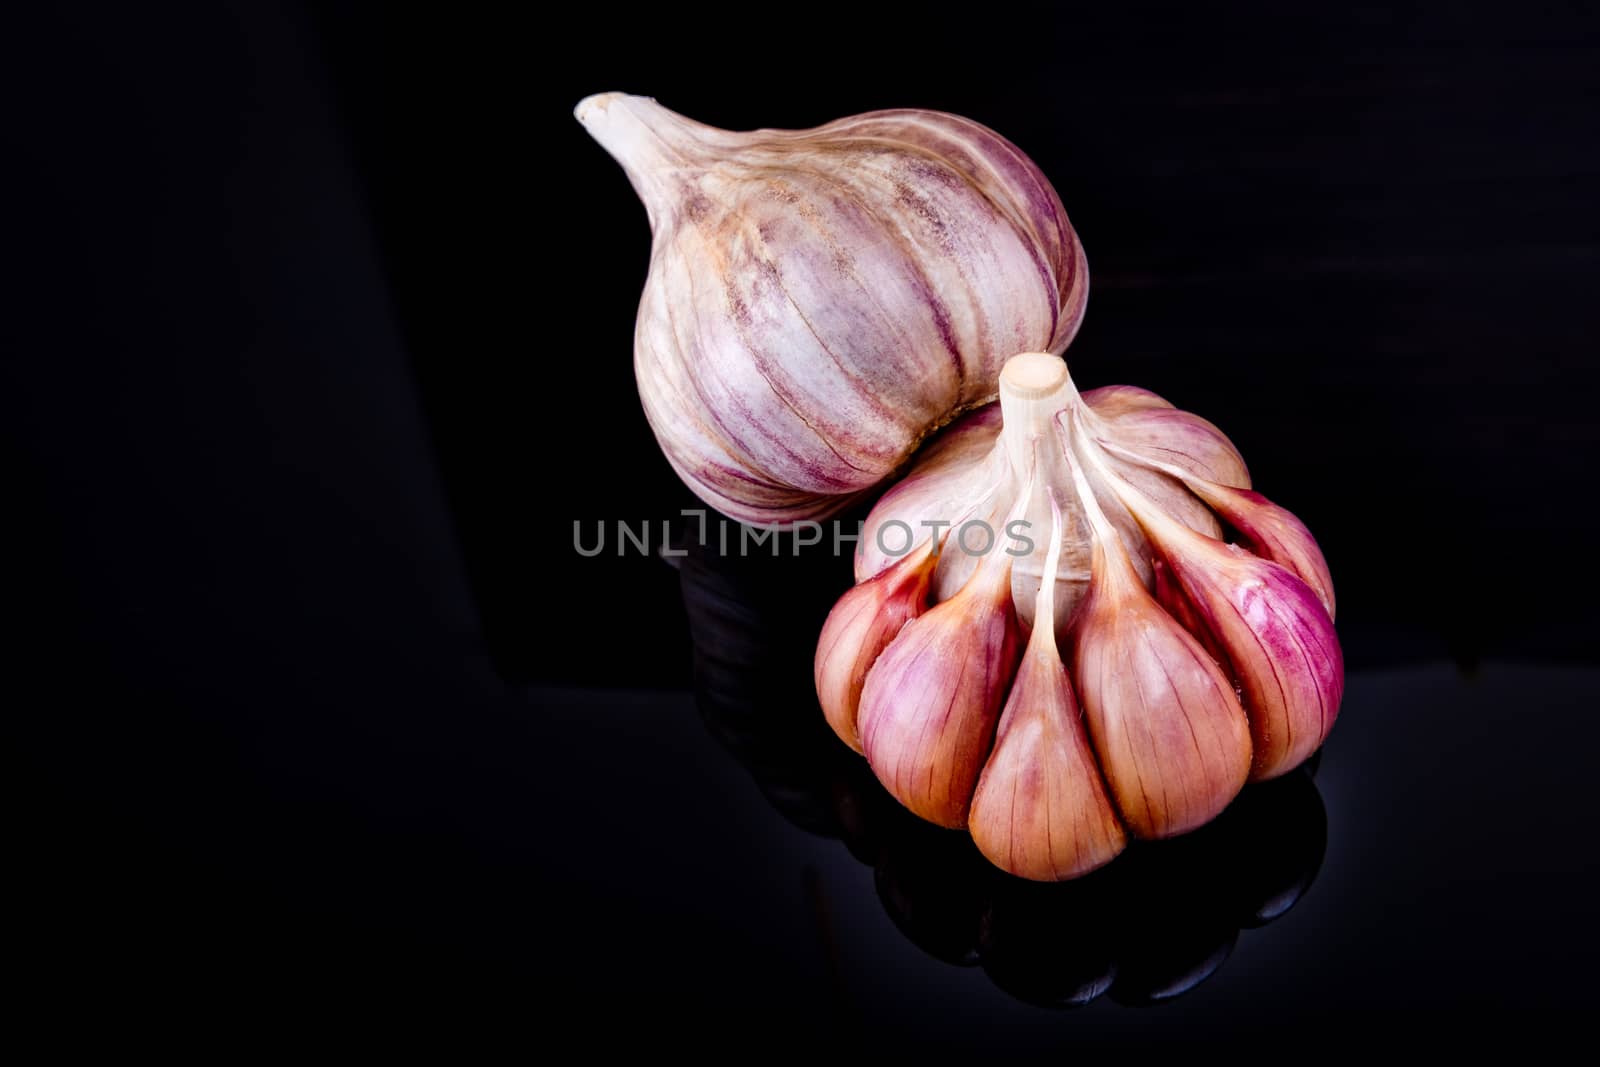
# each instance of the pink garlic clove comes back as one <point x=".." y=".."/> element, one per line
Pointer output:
<point x="1111" y="401"/>
<point x="1270" y="531"/>
<point x="954" y="472"/>
<point x="1279" y="642"/>
<point x="1275" y="632"/>
<point x="860" y="626"/>
<point x="1041" y="810"/>
<point x="931" y="702"/>
<point x="1273" y="533"/>
<point x="1182" y="439"/>
<point x="1166" y="723"/>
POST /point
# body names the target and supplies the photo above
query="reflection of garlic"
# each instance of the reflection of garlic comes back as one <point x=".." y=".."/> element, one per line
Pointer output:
<point x="821" y="300"/>
<point x="1197" y="663"/>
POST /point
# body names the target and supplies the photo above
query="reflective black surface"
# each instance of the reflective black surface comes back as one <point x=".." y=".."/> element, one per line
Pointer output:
<point x="317" y="727"/>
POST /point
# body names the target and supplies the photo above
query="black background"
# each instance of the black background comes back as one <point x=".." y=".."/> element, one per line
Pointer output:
<point x="319" y="343"/>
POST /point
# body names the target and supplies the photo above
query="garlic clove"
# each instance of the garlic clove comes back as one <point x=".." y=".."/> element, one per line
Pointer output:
<point x="1164" y="719"/>
<point x="1040" y="810"/>
<point x="1182" y="439"/>
<point x="1170" y="495"/>
<point x="860" y="627"/>
<point x="1279" y="640"/>
<point x="1275" y="632"/>
<point x="1196" y="665"/>
<point x="1270" y="531"/>
<point x="931" y="701"/>
<point x="1170" y="595"/>
<point x="819" y="301"/>
<point x="967" y="544"/>
<point x="1110" y="401"/>
<point x="954" y="472"/>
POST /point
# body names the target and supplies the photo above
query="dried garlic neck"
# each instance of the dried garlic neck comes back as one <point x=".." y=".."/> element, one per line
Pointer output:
<point x="1034" y="389"/>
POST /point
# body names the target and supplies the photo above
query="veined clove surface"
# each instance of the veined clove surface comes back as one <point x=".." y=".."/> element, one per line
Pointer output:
<point x="860" y="627"/>
<point x="931" y="701"/>
<point x="1041" y="809"/>
<point x="1193" y="663"/>
<point x="820" y="301"/>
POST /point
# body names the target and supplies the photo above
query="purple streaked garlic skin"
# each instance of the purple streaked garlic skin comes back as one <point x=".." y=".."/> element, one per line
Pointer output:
<point x="820" y="301"/>
<point x="1193" y="664"/>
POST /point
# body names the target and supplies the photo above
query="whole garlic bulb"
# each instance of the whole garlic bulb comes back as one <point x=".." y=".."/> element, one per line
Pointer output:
<point x="1051" y="644"/>
<point x="821" y="300"/>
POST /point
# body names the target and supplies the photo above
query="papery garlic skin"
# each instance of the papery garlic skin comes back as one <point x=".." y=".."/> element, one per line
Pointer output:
<point x="821" y="300"/>
<point x="1197" y="664"/>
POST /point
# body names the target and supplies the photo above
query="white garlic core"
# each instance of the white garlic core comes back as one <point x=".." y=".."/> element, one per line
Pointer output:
<point x="987" y="467"/>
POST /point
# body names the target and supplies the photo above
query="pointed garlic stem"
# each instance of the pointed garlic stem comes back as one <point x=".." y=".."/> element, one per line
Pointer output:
<point x="1045" y="599"/>
<point x="649" y="141"/>
<point x="1101" y="527"/>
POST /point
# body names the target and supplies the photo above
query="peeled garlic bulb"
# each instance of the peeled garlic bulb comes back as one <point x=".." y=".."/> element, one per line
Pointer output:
<point x="819" y="301"/>
<point x="1193" y="665"/>
<point x="1040" y="809"/>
